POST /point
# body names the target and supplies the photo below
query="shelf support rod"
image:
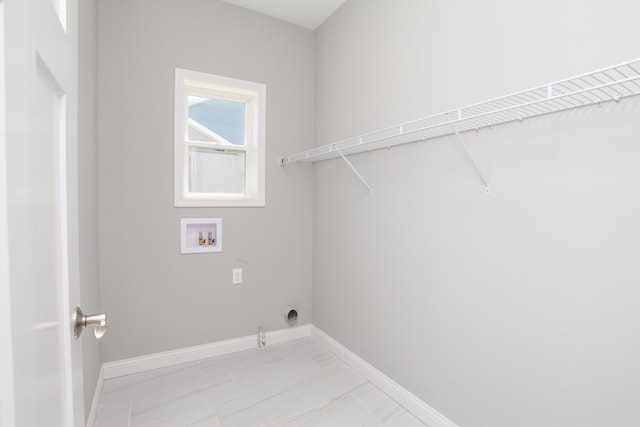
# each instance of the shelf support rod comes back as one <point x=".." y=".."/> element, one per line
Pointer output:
<point x="487" y="186"/>
<point x="354" y="170"/>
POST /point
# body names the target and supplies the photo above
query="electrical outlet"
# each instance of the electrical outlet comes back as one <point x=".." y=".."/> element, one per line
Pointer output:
<point x="237" y="276"/>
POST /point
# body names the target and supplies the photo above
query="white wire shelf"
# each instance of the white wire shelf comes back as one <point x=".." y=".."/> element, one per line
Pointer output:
<point x="594" y="88"/>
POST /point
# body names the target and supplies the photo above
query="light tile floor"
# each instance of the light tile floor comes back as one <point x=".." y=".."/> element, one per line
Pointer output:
<point x="297" y="383"/>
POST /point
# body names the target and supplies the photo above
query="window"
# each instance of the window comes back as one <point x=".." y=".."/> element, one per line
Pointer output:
<point x="219" y="141"/>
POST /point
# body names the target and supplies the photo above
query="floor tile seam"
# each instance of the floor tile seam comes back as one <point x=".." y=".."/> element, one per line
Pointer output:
<point x="244" y="368"/>
<point x="325" y="374"/>
<point x="361" y="406"/>
<point x="136" y="391"/>
<point x="235" y="385"/>
<point x="400" y="413"/>
<point x="112" y="400"/>
<point x="283" y="421"/>
<point x="296" y="384"/>
<point x="201" y="373"/>
<point x="292" y="417"/>
<point x="226" y="359"/>
<point x="208" y="405"/>
<point x="336" y="398"/>
<point x="323" y="369"/>
<point x="279" y="363"/>
<point x="323" y="358"/>
<point x="130" y="410"/>
<point x="330" y="350"/>
<point x="202" y="419"/>
<point x="396" y="413"/>
<point x="326" y="404"/>
<point x="119" y="389"/>
<point x="144" y="385"/>
<point x="294" y="356"/>
<point x="212" y="385"/>
<point x="337" y="401"/>
<point x="348" y="392"/>
<point x="366" y="409"/>
<point x="159" y="373"/>
<point x="323" y="402"/>
<point x="316" y="392"/>
<point x="173" y="400"/>
<point x="299" y="376"/>
<point x="197" y="384"/>
<point x="277" y="350"/>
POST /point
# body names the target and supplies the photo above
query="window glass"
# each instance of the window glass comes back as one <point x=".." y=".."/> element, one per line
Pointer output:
<point x="216" y="171"/>
<point x="216" y="120"/>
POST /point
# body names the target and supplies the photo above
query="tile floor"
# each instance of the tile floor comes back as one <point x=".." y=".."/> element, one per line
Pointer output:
<point x="297" y="383"/>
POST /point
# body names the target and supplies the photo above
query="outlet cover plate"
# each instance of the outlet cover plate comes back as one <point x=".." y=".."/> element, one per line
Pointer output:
<point x="236" y="276"/>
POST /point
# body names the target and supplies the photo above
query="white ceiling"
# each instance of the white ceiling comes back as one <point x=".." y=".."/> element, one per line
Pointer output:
<point x="306" y="13"/>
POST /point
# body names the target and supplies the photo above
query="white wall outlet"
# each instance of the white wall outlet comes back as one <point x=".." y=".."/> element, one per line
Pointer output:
<point x="237" y="276"/>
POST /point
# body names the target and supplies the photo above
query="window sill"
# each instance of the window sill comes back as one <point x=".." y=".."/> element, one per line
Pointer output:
<point x="226" y="203"/>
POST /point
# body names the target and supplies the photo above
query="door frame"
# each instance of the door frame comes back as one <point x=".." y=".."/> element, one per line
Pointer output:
<point x="7" y="417"/>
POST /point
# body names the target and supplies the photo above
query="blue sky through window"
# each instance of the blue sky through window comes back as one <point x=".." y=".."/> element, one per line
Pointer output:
<point x="225" y="118"/>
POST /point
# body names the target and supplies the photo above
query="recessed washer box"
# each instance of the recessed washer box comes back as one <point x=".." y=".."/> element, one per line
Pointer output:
<point x="199" y="235"/>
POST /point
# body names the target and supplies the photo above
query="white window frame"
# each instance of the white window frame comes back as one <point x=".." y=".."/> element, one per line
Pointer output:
<point x="253" y="95"/>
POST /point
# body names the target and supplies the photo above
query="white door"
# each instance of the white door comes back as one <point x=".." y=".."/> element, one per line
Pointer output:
<point x="40" y="79"/>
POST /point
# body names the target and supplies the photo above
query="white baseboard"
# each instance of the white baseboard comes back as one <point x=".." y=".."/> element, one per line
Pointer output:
<point x="191" y="354"/>
<point x="93" y="411"/>
<point x="410" y="402"/>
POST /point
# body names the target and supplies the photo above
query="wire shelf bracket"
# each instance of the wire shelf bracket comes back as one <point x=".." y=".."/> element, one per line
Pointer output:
<point x="355" y="171"/>
<point x="487" y="186"/>
<point x="597" y="87"/>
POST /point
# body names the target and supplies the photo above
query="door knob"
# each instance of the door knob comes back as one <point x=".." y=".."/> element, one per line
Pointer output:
<point x="96" y="321"/>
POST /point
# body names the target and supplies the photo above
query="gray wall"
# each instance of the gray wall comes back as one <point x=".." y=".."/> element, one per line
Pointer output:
<point x="514" y="309"/>
<point x="88" y="189"/>
<point x="157" y="299"/>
